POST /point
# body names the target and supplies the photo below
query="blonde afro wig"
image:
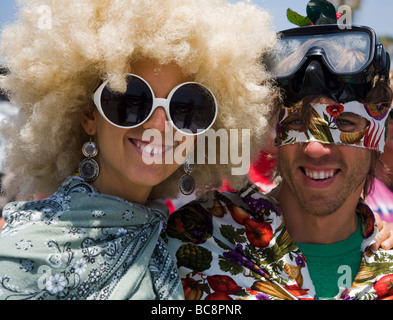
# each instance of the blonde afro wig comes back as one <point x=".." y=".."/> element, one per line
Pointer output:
<point x="58" y="51"/>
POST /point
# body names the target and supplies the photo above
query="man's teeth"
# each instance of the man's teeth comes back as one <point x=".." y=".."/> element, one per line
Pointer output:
<point x="319" y="175"/>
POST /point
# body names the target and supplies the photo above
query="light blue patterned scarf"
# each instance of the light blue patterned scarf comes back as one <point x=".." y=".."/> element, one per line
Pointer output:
<point x="80" y="244"/>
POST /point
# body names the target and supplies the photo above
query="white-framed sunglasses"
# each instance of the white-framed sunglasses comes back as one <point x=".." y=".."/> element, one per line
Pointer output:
<point x="190" y="106"/>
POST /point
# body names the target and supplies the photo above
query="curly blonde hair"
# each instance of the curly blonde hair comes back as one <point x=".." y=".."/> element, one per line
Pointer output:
<point x="54" y="71"/>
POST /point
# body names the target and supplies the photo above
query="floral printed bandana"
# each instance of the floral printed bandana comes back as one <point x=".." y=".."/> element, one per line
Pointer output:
<point x="79" y="244"/>
<point x="352" y="124"/>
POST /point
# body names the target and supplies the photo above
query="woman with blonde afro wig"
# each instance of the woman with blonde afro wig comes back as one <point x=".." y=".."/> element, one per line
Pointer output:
<point x="100" y="239"/>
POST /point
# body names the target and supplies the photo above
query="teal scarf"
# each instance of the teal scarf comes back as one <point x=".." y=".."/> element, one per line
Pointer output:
<point x="80" y="244"/>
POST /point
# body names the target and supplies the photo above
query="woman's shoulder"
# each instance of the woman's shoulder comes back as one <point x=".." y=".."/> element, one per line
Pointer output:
<point x="41" y="208"/>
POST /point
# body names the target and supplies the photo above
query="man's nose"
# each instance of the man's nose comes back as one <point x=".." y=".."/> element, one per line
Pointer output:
<point x="316" y="149"/>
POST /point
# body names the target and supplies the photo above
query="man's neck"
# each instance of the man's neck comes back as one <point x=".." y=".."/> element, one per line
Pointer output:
<point x="307" y="228"/>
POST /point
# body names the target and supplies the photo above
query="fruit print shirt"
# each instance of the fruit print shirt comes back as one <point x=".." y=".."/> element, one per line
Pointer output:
<point x="235" y="246"/>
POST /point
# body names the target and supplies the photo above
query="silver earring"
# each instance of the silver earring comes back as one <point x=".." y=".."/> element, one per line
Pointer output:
<point x="88" y="168"/>
<point x="187" y="182"/>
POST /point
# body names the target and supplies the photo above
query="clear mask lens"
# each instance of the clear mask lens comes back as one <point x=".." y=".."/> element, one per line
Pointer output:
<point x="342" y="52"/>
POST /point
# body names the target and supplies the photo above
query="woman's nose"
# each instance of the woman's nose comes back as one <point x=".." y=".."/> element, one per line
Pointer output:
<point x="158" y="120"/>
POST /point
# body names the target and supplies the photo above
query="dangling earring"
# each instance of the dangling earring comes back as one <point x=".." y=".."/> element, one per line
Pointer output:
<point x="88" y="168"/>
<point x="186" y="182"/>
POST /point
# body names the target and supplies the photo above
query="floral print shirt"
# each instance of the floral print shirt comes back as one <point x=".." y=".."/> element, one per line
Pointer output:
<point x="235" y="246"/>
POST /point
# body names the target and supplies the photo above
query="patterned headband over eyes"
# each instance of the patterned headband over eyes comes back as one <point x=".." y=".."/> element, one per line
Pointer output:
<point x="350" y="124"/>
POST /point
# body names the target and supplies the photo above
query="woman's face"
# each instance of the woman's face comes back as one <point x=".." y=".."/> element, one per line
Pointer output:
<point x="123" y="170"/>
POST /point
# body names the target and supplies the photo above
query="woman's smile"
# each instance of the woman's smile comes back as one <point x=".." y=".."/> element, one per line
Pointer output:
<point x="150" y="149"/>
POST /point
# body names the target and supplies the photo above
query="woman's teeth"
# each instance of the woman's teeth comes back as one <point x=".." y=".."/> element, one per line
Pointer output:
<point x="151" y="150"/>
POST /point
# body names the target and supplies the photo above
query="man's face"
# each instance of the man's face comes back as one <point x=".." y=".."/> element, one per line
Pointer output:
<point x="323" y="176"/>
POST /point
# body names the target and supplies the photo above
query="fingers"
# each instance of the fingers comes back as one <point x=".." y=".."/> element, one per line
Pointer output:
<point x="383" y="234"/>
<point x="378" y="221"/>
<point x="379" y="224"/>
<point x="388" y="244"/>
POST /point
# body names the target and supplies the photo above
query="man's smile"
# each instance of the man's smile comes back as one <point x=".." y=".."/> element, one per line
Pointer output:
<point x="321" y="174"/>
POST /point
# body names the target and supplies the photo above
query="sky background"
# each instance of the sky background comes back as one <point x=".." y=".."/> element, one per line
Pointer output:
<point x="377" y="14"/>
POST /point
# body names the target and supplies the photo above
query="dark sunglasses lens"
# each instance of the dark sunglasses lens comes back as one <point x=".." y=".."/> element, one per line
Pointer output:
<point x="129" y="108"/>
<point x="192" y="107"/>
